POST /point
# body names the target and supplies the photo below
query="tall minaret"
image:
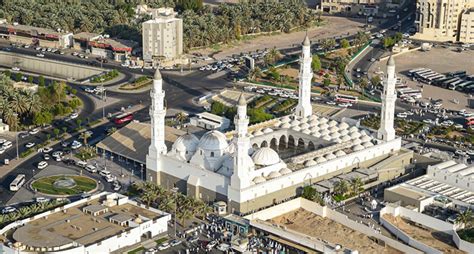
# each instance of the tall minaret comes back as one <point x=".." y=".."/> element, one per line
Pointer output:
<point x="304" y="107"/>
<point x="157" y="114"/>
<point x="386" y="131"/>
<point x="242" y="161"/>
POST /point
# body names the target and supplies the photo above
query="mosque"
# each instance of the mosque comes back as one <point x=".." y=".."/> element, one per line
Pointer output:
<point x="266" y="163"/>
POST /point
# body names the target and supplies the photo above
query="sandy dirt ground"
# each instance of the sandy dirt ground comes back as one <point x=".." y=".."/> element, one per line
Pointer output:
<point x="311" y="224"/>
<point x="334" y="26"/>
<point x="440" y="60"/>
<point x="437" y="240"/>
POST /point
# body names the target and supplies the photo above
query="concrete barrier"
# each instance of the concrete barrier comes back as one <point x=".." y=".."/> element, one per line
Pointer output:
<point x="48" y="66"/>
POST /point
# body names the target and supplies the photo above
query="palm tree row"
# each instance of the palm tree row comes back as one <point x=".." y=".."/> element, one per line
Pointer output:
<point x="28" y="211"/>
<point x="354" y="187"/>
<point x="154" y="195"/>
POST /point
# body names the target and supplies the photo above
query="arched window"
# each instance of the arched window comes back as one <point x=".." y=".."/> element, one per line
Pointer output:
<point x="212" y="154"/>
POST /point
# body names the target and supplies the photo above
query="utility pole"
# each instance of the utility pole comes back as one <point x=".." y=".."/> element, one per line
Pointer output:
<point x="175" y="191"/>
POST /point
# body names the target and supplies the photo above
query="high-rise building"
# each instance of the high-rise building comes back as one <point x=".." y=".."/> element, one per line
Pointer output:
<point x="445" y="20"/>
<point x="162" y="36"/>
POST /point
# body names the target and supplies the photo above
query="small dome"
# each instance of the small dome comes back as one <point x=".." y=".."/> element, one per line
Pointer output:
<point x="213" y="140"/>
<point x="277" y="123"/>
<point x="259" y="179"/>
<point x="265" y="156"/>
<point x="285" y="171"/>
<point x="267" y="130"/>
<point x="320" y="159"/>
<point x="323" y="120"/>
<point x="316" y="134"/>
<point x="335" y="135"/>
<point x="323" y="125"/>
<point x="330" y="156"/>
<point x="314" y="122"/>
<point x="274" y="174"/>
<point x="356" y="141"/>
<point x="314" y="128"/>
<point x="340" y="153"/>
<point x="353" y="129"/>
<point x="327" y="137"/>
<point x="295" y="123"/>
<point x="367" y="144"/>
<point x="355" y="135"/>
<point x="332" y="123"/>
<point x="345" y="138"/>
<point x="324" y="132"/>
<point x="304" y="120"/>
<point x="344" y="132"/>
<point x="285" y="126"/>
<point x="307" y="131"/>
<point x="365" y="138"/>
<point x="313" y="117"/>
<point x="157" y="75"/>
<point x="187" y="142"/>
<point x="310" y="163"/>
<point x="296" y="128"/>
<point x="343" y="125"/>
<point x="285" y="119"/>
<point x="304" y="126"/>
<point x="357" y="148"/>
<point x="258" y="132"/>
<point x="231" y="148"/>
<point x="336" y="140"/>
<point x="333" y="129"/>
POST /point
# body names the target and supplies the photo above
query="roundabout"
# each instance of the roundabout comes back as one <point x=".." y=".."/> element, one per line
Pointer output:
<point x="64" y="185"/>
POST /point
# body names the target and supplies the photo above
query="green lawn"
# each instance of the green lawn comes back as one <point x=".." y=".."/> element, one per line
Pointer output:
<point x="161" y="240"/>
<point x="45" y="185"/>
<point x="467" y="234"/>
<point x="137" y="250"/>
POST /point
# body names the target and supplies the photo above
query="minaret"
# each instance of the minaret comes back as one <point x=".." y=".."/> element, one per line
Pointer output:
<point x="304" y="108"/>
<point x="157" y="114"/>
<point x="386" y="131"/>
<point x="242" y="161"/>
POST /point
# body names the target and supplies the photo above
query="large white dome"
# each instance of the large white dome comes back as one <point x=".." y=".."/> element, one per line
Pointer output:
<point x="187" y="142"/>
<point x="265" y="156"/>
<point x="213" y="140"/>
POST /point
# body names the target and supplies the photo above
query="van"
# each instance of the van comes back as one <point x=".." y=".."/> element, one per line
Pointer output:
<point x="81" y="164"/>
<point x="91" y="168"/>
<point x="7" y="144"/>
<point x="105" y="173"/>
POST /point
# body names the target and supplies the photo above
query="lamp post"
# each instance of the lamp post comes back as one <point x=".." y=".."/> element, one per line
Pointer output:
<point x="16" y="138"/>
<point x="175" y="191"/>
<point x="141" y="166"/>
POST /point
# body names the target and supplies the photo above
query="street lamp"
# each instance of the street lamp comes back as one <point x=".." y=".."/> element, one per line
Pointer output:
<point x="105" y="160"/>
<point x="175" y="191"/>
<point x="141" y="165"/>
<point x="16" y="137"/>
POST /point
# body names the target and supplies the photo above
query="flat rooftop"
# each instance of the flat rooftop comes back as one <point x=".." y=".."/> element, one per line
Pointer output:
<point x="73" y="225"/>
<point x="403" y="191"/>
<point x="435" y="239"/>
<point x="311" y="224"/>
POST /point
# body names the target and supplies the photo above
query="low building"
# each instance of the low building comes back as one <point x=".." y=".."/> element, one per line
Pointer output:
<point x="36" y="36"/>
<point x="103" y="46"/>
<point x="210" y="121"/>
<point x="4" y="127"/>
<point x="447" y="184"/>
<point x="360" y="7"/>
<point x="102" y="223"/>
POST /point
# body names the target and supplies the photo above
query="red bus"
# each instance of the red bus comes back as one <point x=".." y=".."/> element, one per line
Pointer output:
<point x="123" y="118"/>
<point x="470" y="121"/>
<point x="346" y="98"/>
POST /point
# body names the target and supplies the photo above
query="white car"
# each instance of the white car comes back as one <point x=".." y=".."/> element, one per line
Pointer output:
<point x="91" y="168"/>
<point x="109" y="178"/>
<point x="164" y="246"/>
<point x="429" y="121"/>
<point x="73" y="115"/>
<point x="15" y="69"/>
<point x="41" y="200"/>
<point x="46" y="149"/>
<point x="42" y="165"/>
<point x="104" y="173"/>
<point x="76" y="144"/>
<point x="2" y="149"/>
<point x="46" y="157"/>
<point x="34" y="131"/>
<point x="223" y="247"/>
<point x="470" y="152"/>
<point x="58" y="154"/>
<point x="8" y="209"/>
<point x="331" y="103"/>
<point x="81" y="164"/>
<point x="402" y="115"/>
<point x="345" y="105"/>
<point x="40" y="55"/>
<point x="30" y="145"/>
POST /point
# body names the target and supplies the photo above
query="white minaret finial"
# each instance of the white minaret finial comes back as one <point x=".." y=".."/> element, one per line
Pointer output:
<point x="242" y="162"/>
<point x="157" y="115"/>
<point x="386" y="131"/>
<point x="304" y="108"/>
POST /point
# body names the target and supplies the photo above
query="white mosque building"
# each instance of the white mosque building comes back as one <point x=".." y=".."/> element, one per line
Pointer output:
<point x="263" y="164"/>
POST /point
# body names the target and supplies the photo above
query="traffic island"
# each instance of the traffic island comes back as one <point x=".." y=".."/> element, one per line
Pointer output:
<point x="64" y="185"/>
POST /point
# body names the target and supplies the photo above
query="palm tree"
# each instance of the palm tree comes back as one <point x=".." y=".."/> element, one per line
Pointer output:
<point x="465" y="218"/>
<point x="356" y="186"/>
<point x="341" y="187"/>
<point x="181" y="117"/>
<point x="272" y="56"/>
<point x="84" y="136"/>
<point x="148" y="197"/>
<point x="255" y="73"/>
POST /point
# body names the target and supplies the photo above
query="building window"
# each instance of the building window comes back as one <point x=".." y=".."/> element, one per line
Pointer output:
<point x="212" y="154"/>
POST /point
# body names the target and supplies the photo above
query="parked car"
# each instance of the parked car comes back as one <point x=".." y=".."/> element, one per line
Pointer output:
<point x="76" y="144"/>
<point x="69" y="162"/>
<point x="175" y="242"/>
<point x="164" y="246"/>
<point x="30" y="144"/>
<point x="81" y="164"/>
<point x="34" y="131"/>
<point x="46" y="157"/>
<point x="91" y="168"/>
<point x="46" y="149"/>
<point x="8" y="209"/>
<point x="42" y="164"/>
<point x="41" y="199"/>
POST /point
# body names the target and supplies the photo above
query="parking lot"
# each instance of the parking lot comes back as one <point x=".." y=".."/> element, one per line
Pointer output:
<point x="441" y="60"/>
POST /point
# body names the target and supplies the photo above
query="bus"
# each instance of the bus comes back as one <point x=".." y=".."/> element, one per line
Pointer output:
<point x="346" y="98"/>
<point x="417" y="74"/>
<point x="454" y="84"/>
<point x="16" y="184"/>
<point x="470" y="121"/>
<point x="434" y="77"/>
<point x="447" y="82"/>
<point x="413" y="71"/>
<point x="123" y="118"/>
<point x="463" y="85"/>
<point x="401" y="86"/>
<point x="410" y="93"/>
<point x="426" y="78"/>
<point x="459" y="74"/>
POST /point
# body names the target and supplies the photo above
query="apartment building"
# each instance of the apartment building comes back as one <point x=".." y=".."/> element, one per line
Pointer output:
<point x="162" y="36"/>
<point x="445" y="20"/>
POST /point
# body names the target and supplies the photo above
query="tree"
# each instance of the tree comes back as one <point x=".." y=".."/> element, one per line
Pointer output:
<point x="30" y="79"/>
<point x="255" y="73"/>
<point x="326" y="82"/>
<point x="181" y="117"/>
<point x="363" y="83"/>
<point x="465" y="218"/>
<point x="79" y="122"/>
<point x="64" y="128"/>
<point x="356" y="186"/>
<point x="341" y="187"/>
<point x="43" y="118"/>
<point x="345" y="43"/>
<point x="41" y="81"/>
<point x="18" y="77"/>
<point x="272" y="56"/>
<point x="275" y="75"/>
<point x="375" y="80"/>
<point x="56" y="132"/>
<point x="84" y="136"/>
<point x="316" y="63"/>
<point x="328" y="44"/>
<point x="388" y="42"/>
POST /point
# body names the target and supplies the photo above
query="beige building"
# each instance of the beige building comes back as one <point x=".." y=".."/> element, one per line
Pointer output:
<point x="361" y="7"/>
<point x="445" y="20"/>
<point x="162" y="36"/>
